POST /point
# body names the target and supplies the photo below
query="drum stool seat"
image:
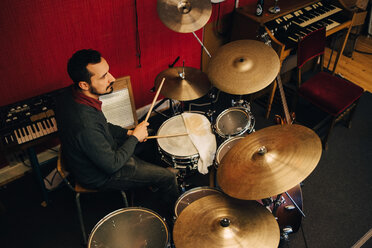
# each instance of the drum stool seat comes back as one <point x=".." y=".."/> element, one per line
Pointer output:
<point x="78" y="189"/>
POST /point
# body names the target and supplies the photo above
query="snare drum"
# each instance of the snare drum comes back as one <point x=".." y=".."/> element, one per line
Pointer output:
<point x="180" y="152"/>
<point x="130" y="227"/>
<point x="192" y="195"/>
<point x="234" y="121"/>
<point x="225" y="147"/>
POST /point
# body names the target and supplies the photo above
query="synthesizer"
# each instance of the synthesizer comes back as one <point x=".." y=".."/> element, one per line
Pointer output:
<point x="290" y="28"/>
<point x="295" y="20"/>
<point x="27" y="121"/>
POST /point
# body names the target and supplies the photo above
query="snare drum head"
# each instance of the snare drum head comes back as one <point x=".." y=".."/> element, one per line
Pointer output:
<point x="192" y="195"/>
<point x="130" y="228"/>
<point x="225" y="147"/>
<point x="178" y="146"/>
<point x="233" y="121"/>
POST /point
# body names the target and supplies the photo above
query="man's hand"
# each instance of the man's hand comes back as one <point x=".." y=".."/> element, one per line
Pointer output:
<point x="140" y="132"/>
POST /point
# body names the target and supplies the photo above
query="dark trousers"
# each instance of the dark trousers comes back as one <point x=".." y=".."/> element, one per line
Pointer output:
<point x="140" y="174"/>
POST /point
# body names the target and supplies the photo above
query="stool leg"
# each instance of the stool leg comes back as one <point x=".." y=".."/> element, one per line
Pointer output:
<point x="77" y="199"/>
<point x="125" y="198"/>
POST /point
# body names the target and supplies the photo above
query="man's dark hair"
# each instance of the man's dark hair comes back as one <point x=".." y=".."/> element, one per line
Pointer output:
<point x="77" y="65"/>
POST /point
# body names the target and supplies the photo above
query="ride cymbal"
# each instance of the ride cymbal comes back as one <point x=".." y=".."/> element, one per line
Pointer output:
<point x="221" y="221"/>
<point x="183" y="83"/>
<point x="243" y="67"/>
<point x="184" y="16"/>
<point x="269" y="162"/>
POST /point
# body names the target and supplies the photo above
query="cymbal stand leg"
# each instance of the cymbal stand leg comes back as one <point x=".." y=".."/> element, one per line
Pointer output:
<point x="298" y="208"/>
<point x="201" y="43"/>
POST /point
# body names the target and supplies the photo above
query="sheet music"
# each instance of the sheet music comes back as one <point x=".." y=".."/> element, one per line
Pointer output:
<point x="117" y="108"/>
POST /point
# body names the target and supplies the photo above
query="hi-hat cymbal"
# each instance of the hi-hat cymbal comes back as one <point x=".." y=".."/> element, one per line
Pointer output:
<point x="269" y="162"/>
<point x="184" y="16"/>
<point x="221" y="221"/>
<point x="243" y="67"/>
<point x="183" y="83"/>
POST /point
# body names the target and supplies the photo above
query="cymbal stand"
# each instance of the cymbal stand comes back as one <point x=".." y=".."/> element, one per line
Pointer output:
<point x="201" y="43"/>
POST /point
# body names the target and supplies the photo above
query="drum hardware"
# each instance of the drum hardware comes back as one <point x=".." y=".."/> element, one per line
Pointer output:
<point x="275" y="9"/>
<point x="269" y="161"/>
<point x="241" y="103"/>
<point x="243" y="67"/>
<point x="221" y="221"/>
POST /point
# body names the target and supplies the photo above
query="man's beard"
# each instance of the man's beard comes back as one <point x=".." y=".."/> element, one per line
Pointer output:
<point x="93" y="90"/>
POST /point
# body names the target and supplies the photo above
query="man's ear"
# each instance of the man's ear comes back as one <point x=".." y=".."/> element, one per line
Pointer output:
<point x="83" y="85"/>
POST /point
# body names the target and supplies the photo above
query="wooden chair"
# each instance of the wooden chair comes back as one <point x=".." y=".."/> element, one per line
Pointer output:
<point x="332" y="94"/>
<point x="78" y="189"/>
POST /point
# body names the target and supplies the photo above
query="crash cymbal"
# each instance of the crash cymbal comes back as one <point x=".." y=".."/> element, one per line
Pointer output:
<point x="184" y="16"/>
<point x="183" y="83"/>
<point x="243" y="67"/>
<point x="269" y="162"/>
<point x="221" y="221"/>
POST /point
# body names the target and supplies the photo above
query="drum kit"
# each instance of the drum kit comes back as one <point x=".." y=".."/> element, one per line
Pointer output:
<point x="258" y="200"/>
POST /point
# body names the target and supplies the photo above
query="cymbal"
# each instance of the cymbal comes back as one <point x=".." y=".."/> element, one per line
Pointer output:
<point x="184" y="16"/>
<point x="243" y="67"/>
<point x="221" y="221"/>
<point x="183" y="83"/>
<point x="269" y="162"/>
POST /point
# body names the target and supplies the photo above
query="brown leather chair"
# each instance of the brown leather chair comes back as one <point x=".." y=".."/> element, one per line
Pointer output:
<point x="78" y="190"/>
<point x="332" y="94"/>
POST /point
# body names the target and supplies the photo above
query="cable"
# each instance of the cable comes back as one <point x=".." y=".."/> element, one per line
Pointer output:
<point x="138" y="44"/>
<point x="303" y="235"/>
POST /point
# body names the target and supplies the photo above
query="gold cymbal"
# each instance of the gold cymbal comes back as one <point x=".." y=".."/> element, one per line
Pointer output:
<point x="184" y="16"/>
<point x="269" y="162"/>
<point x="183" y="83"/>
<point x="221" y="221"/>
<point x="243" y="67"/>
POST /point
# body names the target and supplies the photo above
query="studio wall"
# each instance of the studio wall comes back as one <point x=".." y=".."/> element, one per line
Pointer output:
<point x="38" y="37"/>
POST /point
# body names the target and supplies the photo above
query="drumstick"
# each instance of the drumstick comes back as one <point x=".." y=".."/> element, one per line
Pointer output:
<point x="166" y="136"/>
<point x="155" y="98"/>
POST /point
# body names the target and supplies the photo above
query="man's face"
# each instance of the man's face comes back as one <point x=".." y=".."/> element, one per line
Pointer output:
<point x="102" y="80"/>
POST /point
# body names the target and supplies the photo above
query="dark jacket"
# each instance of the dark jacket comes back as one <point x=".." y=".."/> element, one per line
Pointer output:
<point x="92" y="148"/>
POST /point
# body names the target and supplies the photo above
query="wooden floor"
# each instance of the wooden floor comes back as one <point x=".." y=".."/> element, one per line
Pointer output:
<point x="358" y="68"/>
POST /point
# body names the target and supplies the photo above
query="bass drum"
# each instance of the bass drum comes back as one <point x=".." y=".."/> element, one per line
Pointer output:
<point x="130" y="227"/>
<point x="288" y="216"/>
<point x="192" y="195"/>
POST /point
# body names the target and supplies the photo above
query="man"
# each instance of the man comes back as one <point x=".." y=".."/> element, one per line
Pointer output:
<point x="100" y="154"/>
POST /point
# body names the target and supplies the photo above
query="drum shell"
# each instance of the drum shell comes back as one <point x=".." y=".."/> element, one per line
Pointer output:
<point x="225" y="147"/>
<point x="192" y="195"/>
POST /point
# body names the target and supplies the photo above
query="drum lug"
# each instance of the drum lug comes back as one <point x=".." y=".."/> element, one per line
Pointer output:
<point x="290" y="207"/>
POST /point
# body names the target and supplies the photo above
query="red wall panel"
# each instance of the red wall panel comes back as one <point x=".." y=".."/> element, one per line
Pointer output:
<point x="38" y="37"/>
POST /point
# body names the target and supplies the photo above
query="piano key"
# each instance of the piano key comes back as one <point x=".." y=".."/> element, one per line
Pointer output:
<point x="25" y="134"/>
<point x="47" y="130"/>
<point x="36" y="130"/>
<point x="41" y="129"/>
<point x="18" y="137"/>
<point x="32" y="134"/>
<point x="54" y="123"/>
